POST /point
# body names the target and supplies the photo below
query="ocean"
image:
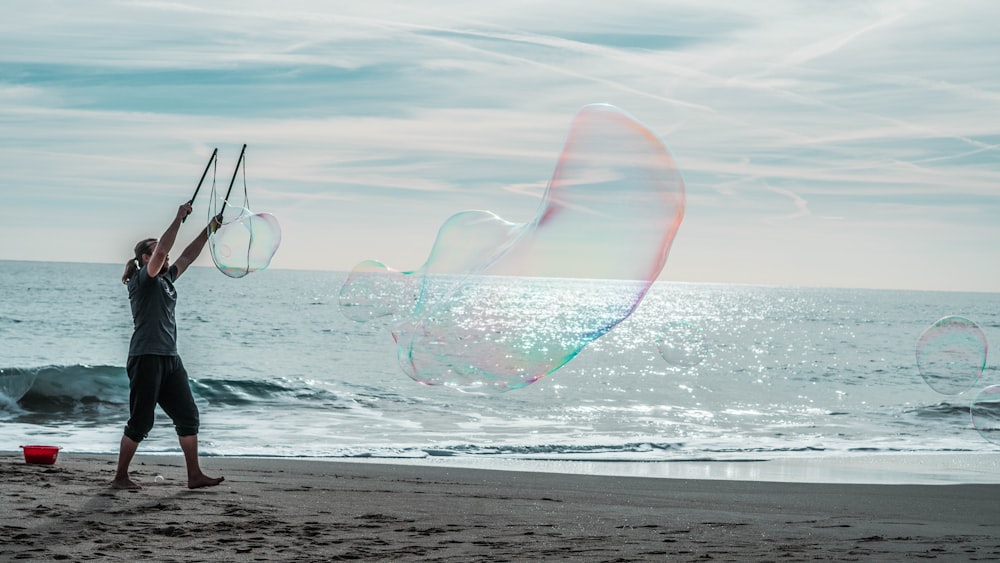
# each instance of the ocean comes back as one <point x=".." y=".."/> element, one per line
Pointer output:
<point x="278" y="370"/>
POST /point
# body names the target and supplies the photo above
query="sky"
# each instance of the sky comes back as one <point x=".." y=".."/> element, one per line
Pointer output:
<point x="825" y="144"/>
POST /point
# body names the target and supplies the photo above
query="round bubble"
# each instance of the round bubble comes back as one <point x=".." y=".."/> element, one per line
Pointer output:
<point x="951" y="355"/>
<point x="985" y="412"/>
<point x="245" y="244"/>
<point x="682" y="345"/>
<point x="498" y="305"/>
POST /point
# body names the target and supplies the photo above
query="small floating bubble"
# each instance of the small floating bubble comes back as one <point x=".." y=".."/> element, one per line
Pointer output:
<point x="985" y="412"/>
<point x="951" y="355"/>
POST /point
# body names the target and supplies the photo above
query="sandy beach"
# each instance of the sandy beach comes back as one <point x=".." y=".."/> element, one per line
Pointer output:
<point x="304" y="510"/>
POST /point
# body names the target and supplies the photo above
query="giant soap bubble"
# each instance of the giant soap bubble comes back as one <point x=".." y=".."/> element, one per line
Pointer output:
<point x="498" y="305"/>
<point x="245" y="243"/>
<point x="951" y="355"/>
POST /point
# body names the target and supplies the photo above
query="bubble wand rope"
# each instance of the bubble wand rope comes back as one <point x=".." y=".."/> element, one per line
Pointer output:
<point x="211" y="159"/>
<point x="239" y="161"/>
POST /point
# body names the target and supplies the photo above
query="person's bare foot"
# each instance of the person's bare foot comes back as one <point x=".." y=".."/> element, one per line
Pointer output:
<point x="204" y="481"/>
<point x="125" y="484"/>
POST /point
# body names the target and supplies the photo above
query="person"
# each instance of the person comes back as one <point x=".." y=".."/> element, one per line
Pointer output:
<point x="155" y="371"/>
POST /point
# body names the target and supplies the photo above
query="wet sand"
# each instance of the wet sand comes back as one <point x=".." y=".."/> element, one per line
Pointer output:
<point x="305" y="510"/>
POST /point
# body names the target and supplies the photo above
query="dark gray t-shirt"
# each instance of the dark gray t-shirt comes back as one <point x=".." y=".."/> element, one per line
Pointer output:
<point x="153" y="301"/>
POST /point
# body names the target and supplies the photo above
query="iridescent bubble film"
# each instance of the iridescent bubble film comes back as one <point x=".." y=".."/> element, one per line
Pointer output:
<point x="245" y="243"/>
<point x="480" y="315"/>
<point x="373" y="291"/>
<point x="985" y="412"/>
<point x="951" y="355"/>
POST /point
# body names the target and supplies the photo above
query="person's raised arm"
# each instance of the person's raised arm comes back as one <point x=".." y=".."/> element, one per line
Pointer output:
<point x="194" y="249"/>
<point x="166" y="242"/>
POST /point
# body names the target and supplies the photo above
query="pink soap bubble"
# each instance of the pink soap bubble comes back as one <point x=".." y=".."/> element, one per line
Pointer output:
<point x="498" y="305"/>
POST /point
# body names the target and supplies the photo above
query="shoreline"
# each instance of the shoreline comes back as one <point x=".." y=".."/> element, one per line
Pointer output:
<point x="872" y="468"/>
<point x="902" y="468"/>
<point x="294" y="509"/>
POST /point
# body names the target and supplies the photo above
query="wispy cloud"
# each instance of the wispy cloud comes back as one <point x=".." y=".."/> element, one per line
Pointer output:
<point x="390" y="116"/>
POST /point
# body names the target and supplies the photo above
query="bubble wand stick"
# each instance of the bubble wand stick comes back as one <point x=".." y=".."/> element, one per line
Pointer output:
<point x="233" y="181"/>
<point x="211" y="159"/>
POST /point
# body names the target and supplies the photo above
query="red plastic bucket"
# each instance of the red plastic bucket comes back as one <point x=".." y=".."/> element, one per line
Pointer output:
<point x="44" y="455"/>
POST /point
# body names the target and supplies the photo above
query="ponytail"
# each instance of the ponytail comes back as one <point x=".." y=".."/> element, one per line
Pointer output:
<point x="131" y="267"/>
<point x="134" y="264"/>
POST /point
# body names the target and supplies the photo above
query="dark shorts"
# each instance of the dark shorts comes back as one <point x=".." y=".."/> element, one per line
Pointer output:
<point x="159" y="380"/>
